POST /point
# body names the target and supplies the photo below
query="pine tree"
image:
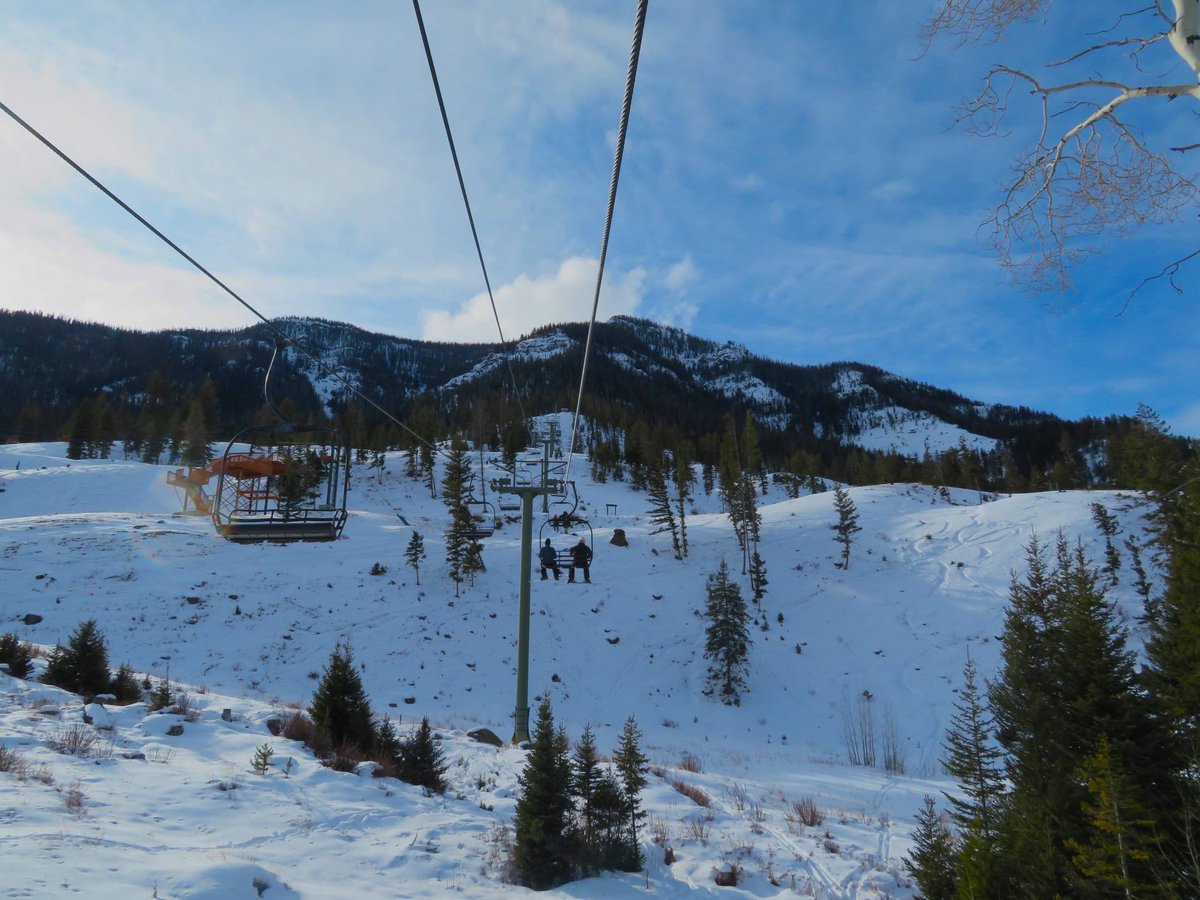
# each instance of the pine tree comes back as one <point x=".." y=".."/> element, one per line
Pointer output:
<point x="975" y="765"/>
<point x="194" y="445"/>
<point x="387" y="746"/>
<point x="542" y="852"/>
<point x="1110" y="528"/>
<point x="727" y="637"/>
<point x="82" y="666"/>
<point x="847" y="524"/>
<point x="662" y="517"/>
<point x="1174" y="645"/>
<point x="753" y="461"/>
<point x="79" y="432"/>
<point x="932" y="860"/>
<point x="585" y="779"/>
<point x="339" y="708"/>
<point x="102" y="428"/>
<point x="632" y="765"/>
<point x="1141" y="582"/>
<point x="455" y="482"/>
<point x="1066" y="679"/>
<point x="297" y="486"/>
<point x="414" y="554"/>
<point x="15" y="654"/>
<point x="685" y="481"/>
<point x="1118" y="853"/>
<point x="421" y="761"/>
<point x="758" y="576"/>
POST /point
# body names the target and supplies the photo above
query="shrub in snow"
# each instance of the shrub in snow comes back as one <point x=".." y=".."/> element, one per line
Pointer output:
<point x="16" y="655"/>
<point x="125" y="686"/>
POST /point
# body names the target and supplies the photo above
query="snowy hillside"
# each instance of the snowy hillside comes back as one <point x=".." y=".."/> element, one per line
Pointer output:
<point x="248" y="627"/>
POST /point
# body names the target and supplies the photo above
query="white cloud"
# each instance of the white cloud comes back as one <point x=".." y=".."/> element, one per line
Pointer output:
<point x="681" y="274"/>
<point x="680" y="314"/>
<point x="525" y="303"/>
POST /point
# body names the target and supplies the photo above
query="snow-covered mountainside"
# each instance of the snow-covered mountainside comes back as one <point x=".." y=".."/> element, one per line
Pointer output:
<point x="247" y="628"/>
<point x="648" y="371"/>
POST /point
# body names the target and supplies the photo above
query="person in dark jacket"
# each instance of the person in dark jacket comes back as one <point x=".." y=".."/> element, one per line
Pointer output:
<point x="581" y="558"/>
<point x="549" y="560"/>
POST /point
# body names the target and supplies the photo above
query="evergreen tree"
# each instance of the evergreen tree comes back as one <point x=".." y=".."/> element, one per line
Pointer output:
<point x="758" y="576"/>
<point x="1174" y="646"/>
<point x="194" y="446"/>
<point x="102" y="428"/>
<point x="755" y="469"/>
<point x="15" y="654"/>
<point x="727" y="637"/>
<point x="414" y="554"/>
<point x="339" y="708"/>
<point x="610" y="827"/>
<point x="932" y="860"/>
<point x="585" y="780"/>
<point x="459" y="537"/>
<point x="387" y="746"/>
<point x="632" y="765"/>
<point x="847" y="524"/>
<point x="1108" y="525"/>
<point x="542" y="852"/>
<point x="1065" y="680"/>
<point x="421" y="761"/>
<point x="1118" y="853"/>
<point x="975" y="765"/>
<point x="685" y="481"/>
<point x="79" y="432"/>
<point x="1141" y="582"/>
<point x="82" y="666"/>
<point x="1173" y="672"/>
<point x="297" y="485"/>
<point x="662" y="516"/>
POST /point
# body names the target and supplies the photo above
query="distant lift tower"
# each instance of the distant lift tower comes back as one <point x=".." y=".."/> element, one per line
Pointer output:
<point x="543" y="486"/>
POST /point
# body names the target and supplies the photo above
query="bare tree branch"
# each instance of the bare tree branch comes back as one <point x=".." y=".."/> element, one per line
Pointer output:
<point x="1088" y="171"/>
<point x="1169" y="271"/>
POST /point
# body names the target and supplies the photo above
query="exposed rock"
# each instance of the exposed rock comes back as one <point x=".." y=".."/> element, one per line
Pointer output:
<point x="193" y="600"/>
<point x="410" y="700"/>
<point x="175" y="730"/>
<point x="133" y="754"/>
<point x="274" y="725"/>
<point x="485" y="736"/>
<point x="31" y="618"/>
<point x="618" y="538"/>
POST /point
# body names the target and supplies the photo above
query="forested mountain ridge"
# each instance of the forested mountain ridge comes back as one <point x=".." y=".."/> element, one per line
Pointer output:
<point x="854" y="420"/>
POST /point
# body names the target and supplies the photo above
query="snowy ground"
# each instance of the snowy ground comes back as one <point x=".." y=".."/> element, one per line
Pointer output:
<point x="247" y="628"/>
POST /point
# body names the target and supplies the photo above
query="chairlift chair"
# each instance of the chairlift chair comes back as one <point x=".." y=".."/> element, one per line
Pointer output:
<point x="288" y="484"/>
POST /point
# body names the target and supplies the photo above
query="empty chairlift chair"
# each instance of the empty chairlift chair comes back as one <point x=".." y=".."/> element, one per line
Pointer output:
<point x="282" y="482"/>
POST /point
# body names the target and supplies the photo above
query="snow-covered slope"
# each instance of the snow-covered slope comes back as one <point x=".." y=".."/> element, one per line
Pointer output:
<point x="248" y="628"/>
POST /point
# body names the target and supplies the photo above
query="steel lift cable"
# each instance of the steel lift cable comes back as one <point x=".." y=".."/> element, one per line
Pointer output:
<point x="215" y="280"/>
<point x="631" y="76"/>
<point x="462" y="186"/>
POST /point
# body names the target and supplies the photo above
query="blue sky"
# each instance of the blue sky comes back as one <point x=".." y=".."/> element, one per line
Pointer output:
<point x="792" y="182"/>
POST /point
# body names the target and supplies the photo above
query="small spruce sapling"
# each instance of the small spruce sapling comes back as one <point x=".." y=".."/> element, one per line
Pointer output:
<point x="261" y="762"/>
